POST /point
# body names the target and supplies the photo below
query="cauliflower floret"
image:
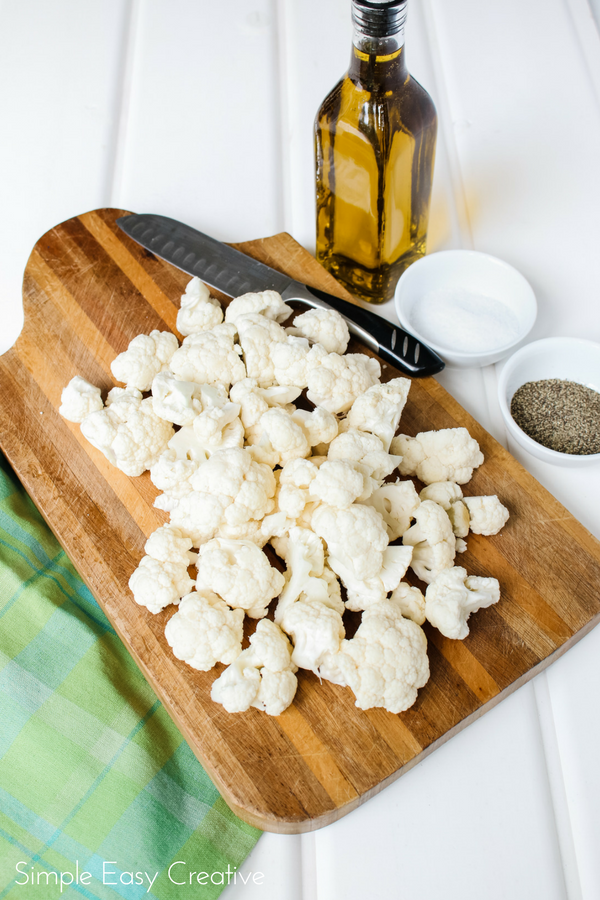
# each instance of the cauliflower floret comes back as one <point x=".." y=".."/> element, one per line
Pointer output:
<point x="411" y="602"/>
<point x="205" y="631"/>
<point x="198" y="311"/>
<point x="366" y="449"/>
<point x="128" y="431"/>
<point x="219" y="428"/>
<point x="268" y="303"/>
<point x="209" y="357"/>
<point x="305" y="561"/>
<point x="240" y="573"/>
<point x="319" y="426"/>
<point x="277" y="439"/>
<point x="254" y="400"/>
<point x="452" y="596"/>
<point x="339" y="484"/>
<point x="385" y="662"/>
<point x="356" y="536"/>
<point x="176" y="401"/>
<point x="397" y="502"/>
<point x="79" y="399"/>
<point x="449" y="496"/>
<point x="256" y="334"/>
<point x="337" y="381"/>
<point x="487" y="515"/>
<point x="450" y="454"/>
<point x="170" y="544"/>
<point x="325" y="326"/>
<point x="155" y="584"/>
<point x="378" y="410"/>
<point x="316" y="630"/>
<point x="145" y="357"/>
<point x="248" y="531"/>
<point x="261" y="676"/>
<point x="245" y="487"/>
<point x="292" y="360"/>
<point x="198" y="514"/>
<point x="432" y="539"/>
<point x="360" y="594"/>
<point x="171" y="475"/>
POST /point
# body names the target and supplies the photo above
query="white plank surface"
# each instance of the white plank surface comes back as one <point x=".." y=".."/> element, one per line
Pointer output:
<point x="204" y="111"/>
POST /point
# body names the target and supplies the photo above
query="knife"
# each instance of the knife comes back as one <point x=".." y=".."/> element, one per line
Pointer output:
<point x="233" y="273"/>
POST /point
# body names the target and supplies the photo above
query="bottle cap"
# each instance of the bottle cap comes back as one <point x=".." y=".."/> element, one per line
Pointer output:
<point x="379" y="18"/>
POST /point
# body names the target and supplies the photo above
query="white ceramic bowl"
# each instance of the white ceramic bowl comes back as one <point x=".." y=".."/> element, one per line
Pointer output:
<point x="471" y="273"/>
<point x="571" y="359"/>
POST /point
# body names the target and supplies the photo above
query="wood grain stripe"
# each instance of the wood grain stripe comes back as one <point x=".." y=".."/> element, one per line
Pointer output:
<point x="462" y="660"/>
<point x="316" y="756"/>
<point x="49" y="283"/>
<point x="136" y="273"/>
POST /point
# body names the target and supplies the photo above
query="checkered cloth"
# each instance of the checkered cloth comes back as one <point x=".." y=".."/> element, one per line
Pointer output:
<point x="94" y="776"/>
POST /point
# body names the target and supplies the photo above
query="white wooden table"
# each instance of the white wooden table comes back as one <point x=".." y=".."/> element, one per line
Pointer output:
<point x="203" y="111"/>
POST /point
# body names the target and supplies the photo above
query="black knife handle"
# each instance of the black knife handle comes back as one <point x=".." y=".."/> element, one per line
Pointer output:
<point x="395" y="345"/>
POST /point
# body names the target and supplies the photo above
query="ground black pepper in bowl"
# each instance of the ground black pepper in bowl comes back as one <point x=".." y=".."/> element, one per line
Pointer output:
<point x="561" y="415"/>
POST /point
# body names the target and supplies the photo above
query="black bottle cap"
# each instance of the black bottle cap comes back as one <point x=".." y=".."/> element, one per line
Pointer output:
<point x="379" y="18"/>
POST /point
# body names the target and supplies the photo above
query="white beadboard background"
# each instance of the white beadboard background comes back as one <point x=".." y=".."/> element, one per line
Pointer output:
<point x="203" y="111"/>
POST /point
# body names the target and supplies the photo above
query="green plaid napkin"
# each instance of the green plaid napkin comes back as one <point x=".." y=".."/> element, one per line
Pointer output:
<point x="94" y="776"/>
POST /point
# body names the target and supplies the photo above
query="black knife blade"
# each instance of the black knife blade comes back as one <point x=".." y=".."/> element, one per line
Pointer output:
<point x="233" y="273"/>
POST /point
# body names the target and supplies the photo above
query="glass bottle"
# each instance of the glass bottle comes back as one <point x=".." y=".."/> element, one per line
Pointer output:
<point x="375" y="147"/>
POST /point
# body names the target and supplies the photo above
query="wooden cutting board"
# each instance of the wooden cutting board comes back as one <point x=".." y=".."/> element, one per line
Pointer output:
<point x="88" y="291"/>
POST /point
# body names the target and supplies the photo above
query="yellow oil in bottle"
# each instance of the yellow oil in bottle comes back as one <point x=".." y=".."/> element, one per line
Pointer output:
<point x="375" y="146"/>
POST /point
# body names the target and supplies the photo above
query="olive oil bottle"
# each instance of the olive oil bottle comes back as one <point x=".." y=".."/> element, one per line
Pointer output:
<point x="375" y="147"/>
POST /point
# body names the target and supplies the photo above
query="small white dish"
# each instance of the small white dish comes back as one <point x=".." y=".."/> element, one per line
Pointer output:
<point x="570" y="359"/>
<point x="466" y="274"/>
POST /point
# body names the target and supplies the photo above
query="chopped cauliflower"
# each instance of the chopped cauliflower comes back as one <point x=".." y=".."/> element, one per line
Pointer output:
<point x="450" y="454"/>
<point x="357" y="536"/>
<point x="145" y="357"/>
<point x="449" y="496"/>
<point x="218" y="428"/>
<point x="360" y="594"/>
<point x="385" y="662"/>
<point x="254" y="400"/>
<point x="158" y="583"/>
<point x="410" y="601"/>
<point x="293" y="358"/>
<point x="267" y="303"/>
<point x="209" y="357"/>
<point x="256" y="335"/>
<point x="432" y="540"/>
<point x="486" y="514"/>
<point x="337" y="381"/>
<point x="198" y="310"/>
<point x="175" y="401"/>
<point x="397" y="503"/>
<point x="79" y="399"/>
<point x="172" y="476"/>
<point x="240" y="573"/>
<point x="319" y="426"/>
<point x="339" y="484"/>
<point x="246" y="487"/>
<point x="170" y="544"/>
<point x="366" y="449"/>
<point x="326" y="327"/>
<point x="378" y="410"/>
<point x="316" y="630"/>
<point x="305" y="561"/>
<point x="452" y="596"/>
<point x="261" y="676"/>
<point x="128" y="431"/>
<point x="205" y="631"/>
<point x="277" y="439"/>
